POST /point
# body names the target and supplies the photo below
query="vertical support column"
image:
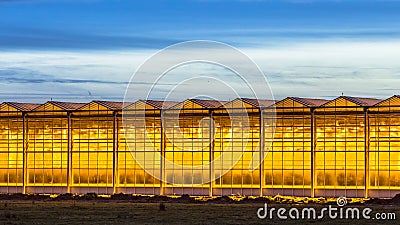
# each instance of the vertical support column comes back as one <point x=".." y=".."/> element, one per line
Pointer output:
<point x="24" y="153"/>
<point x="366" y="151"/>
<point x="313" y="154"/>
<point x="262" y="151"/>
<point x="115" y="153"/>
<point x="69" y="153"/>
<point x="162" y="158"/>
<point x="211" y="157"/>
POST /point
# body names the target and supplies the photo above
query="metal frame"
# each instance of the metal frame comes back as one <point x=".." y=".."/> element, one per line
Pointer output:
<point x="115" y="113"/>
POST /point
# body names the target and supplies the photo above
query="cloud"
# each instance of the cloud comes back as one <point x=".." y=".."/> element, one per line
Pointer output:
<point x="328" y="69"/>
<point x="304" y="69"/>
<point x="22" y="75"/>
<point x="26" y="76"/>
<point x="33" y="76"/>
<point x="13" y="37"/>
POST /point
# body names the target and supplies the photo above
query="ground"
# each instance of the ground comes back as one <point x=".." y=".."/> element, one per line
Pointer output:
<point x="116" y="212"/>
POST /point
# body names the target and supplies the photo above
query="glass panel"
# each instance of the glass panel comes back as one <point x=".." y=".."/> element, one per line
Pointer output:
<point x="47" y="151"/>
<point x="340" y="146"/>
<point x="92" y="151"/>
<point x="11" y="148"/>
<point x="384" y="148"/>
<point x="133" y="142"/>
<point x="187" y="146"/>
<point x="288" y="162"/>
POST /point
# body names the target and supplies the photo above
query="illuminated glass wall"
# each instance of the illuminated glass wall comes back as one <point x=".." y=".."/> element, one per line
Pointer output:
<point x="187" y="145"/>
<point x="384" y="148"/>
<point x="350" y="141"/>
<point x="92" y="146"/>
<point x="236" y="146"/>
<point x="47" y="151"/>
<point x="288" y="160"/>
<point x="47" y="146"/>
<point x="340" y="147"/>
<point x="141" y="134"/>
<point x="11" y="146"/>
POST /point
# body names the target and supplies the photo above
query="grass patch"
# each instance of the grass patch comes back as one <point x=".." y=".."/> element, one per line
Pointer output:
<point x="107" y="212"/>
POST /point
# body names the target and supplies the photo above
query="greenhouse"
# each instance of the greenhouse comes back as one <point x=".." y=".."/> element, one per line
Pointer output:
<point x="348" y="146"/>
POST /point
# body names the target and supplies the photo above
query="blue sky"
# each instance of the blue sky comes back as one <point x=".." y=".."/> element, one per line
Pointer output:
<point x="88" y="49"/>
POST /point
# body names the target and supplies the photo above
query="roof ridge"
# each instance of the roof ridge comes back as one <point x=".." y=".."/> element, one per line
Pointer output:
<point x="388" y="99"/>
<point x="258" y="102"/>
<point x="22" y="106"/>
<point x="362" y="101"/>
<point x="310" y="102"/>
<point x="207" y="103"/>
<point x="67" y="105"/>
<point x="109" y="104"/>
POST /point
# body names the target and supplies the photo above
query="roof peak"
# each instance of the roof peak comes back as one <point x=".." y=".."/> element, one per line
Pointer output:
<point x="362" y="101"/>
<point x="310" y="102"/>
<point x="22" y="106"/>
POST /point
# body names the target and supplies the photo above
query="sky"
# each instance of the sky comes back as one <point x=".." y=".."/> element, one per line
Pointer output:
<point x="81" y="50"/>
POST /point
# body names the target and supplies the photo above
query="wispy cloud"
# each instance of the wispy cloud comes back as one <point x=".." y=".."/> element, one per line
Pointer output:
<point x="328" y="69"/>
<point x="35" y="38"/>
<point x="24" y="76"/>
<point x="302" y="69"/>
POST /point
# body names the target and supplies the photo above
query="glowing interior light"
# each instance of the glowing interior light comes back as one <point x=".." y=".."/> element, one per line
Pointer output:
<point x="338" y="143"/>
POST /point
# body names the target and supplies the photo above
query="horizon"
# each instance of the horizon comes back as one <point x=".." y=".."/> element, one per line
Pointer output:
<point x="222" y="101"/>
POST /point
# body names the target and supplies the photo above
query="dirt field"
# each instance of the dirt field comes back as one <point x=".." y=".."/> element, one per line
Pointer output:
<point x="113" y="212"/>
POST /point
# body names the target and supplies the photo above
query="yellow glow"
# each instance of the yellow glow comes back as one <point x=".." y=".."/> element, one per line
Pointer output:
<point x="339" y="143"/>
